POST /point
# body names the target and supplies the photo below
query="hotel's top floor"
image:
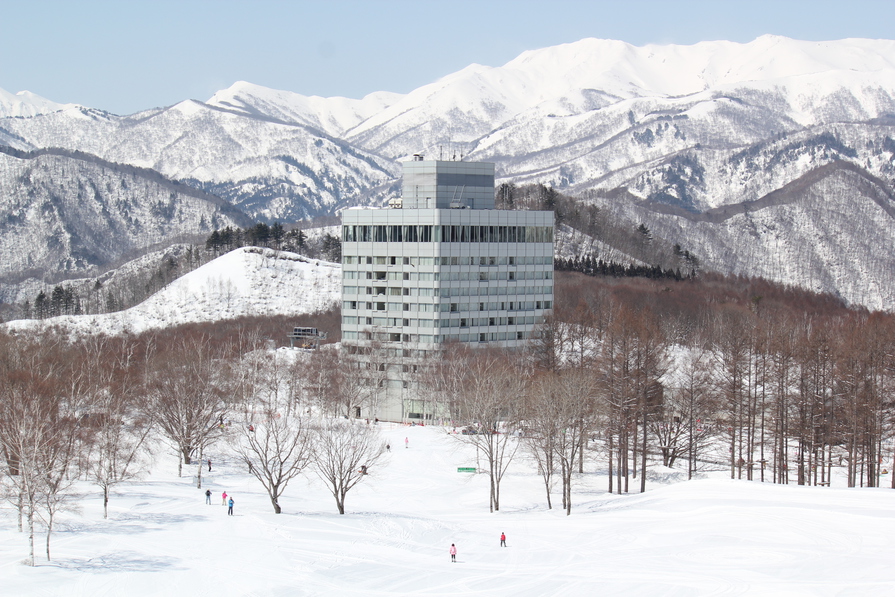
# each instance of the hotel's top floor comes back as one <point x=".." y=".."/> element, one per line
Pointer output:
<point x="447" y="184"/>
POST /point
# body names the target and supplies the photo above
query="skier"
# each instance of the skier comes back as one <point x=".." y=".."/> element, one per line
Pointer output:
<point x="453" y="553"/>
<point x="209" y="465"/>
<point x="388" y="447"/>
<point x="208" y="496"/>
<point x="230" y="508"/>
<point x="406" y="442"/>
<point x="503" y="540"/>
<point x="224" y="499"/>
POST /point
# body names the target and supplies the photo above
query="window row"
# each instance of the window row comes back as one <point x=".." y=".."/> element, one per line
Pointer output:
<point x="446" y="234"/>
<point x="437" y="338"/>
<point x="396" y="337"/>
<point x="447" y="307"/>
<point x="446" y="292"/>
<point x="390" y="353"/>
<point x="461" y="322"/>
<point x="449" y="275"/>
<point x="453" y="260"/>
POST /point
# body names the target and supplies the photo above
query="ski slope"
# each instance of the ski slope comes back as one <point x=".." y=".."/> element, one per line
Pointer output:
<point x="709" y="536"/>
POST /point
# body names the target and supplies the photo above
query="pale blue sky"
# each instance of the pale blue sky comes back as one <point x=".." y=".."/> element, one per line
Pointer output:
<point x="129" y="55"/>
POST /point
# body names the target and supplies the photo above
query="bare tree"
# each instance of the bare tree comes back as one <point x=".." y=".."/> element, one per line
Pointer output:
<point x="275" y="440"/>
<point x="39" y="429"/>
<point x="576" y="393"/>
<point x="485" y="389"/>
<point x="344" y="453"/>
<point x="189" y="387"/>
<point x="347" y="384"/>
<point x="559" y="418"/>
<point x="118" y="428"/>
<point x="684" y="427"/>
<point x="541" y="428"/>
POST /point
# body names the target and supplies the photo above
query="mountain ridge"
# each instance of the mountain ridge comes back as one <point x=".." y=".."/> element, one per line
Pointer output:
<point x="702" y="128"/>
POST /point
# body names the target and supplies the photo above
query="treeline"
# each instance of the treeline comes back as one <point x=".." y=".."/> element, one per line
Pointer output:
<point x="772" y="383"/>
<point x="590" y="265"/>
<point x="61" y="301"/>
<point x="778" y="383"/>
<point x="326" y="246"/>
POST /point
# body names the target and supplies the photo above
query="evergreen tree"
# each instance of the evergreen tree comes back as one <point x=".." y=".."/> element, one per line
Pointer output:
<point x="277" y="234"/>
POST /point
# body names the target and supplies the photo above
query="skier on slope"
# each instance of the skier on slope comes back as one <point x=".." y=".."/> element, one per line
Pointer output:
<point x="453" y="551"/>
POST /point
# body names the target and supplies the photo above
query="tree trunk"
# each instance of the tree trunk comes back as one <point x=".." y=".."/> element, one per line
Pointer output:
<point x="547" y="488"/>
<point x="275" y="498"/>
<point x="49" y="532"/>
<point x="643" y="456"/>
<point x="610" y="464"/>
<point x="30" y="536"/>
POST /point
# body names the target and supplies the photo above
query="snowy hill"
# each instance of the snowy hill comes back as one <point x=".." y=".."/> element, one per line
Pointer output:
<point x="709" y="536"/>
<point x="245" y="282"/>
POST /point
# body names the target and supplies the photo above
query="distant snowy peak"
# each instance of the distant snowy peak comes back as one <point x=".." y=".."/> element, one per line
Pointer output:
<point x="25" y="104"/>
<point x="671" y="70"/>
<point x="331" y="115"/>
<point x="810" y="82"/>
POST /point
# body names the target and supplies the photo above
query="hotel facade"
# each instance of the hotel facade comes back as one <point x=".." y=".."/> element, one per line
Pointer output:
<point x="439" y="265"/>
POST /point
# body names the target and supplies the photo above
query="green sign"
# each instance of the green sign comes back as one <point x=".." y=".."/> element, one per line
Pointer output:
<point x="465" y="469"/>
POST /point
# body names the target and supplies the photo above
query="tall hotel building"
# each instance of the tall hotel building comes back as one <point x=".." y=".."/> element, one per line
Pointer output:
<point x="440" y="265"/>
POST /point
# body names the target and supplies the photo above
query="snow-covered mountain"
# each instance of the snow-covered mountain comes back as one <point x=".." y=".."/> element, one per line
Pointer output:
<point x="245" y="282"/>
<point x="670" y="131"/>
<point x="24" y="104"/>
<point x="62" y="212"/>
<point x="268" y="167"/>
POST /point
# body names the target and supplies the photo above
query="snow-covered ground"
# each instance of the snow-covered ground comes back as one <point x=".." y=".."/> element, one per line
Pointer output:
<point x="709" y="536"/>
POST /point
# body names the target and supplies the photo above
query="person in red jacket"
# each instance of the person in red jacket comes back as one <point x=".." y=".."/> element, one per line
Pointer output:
<point x="503" y="540"/>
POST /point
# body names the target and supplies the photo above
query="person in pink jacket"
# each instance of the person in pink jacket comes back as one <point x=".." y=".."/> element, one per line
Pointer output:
<point x="224" y="499"/>
<point x="453" y="553"/>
